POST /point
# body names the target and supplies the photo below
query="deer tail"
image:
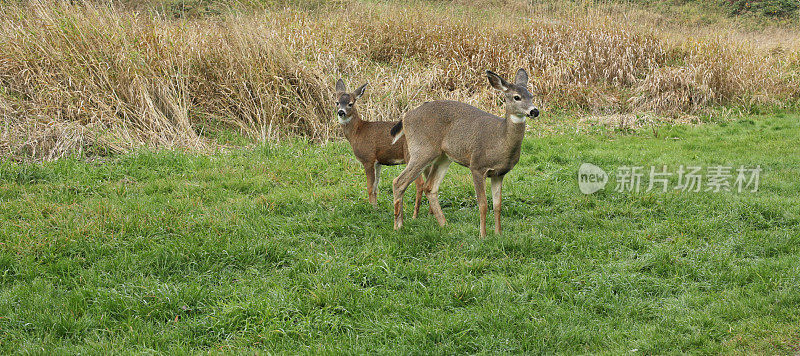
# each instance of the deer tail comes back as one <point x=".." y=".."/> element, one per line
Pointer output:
<point x="397" y="131"/>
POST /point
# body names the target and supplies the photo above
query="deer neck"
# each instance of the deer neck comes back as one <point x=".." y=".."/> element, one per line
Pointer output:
<point x="351" y="127"/>
<point x="515" y="131"/>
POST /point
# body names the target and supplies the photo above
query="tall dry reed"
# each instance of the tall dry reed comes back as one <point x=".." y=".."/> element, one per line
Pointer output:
<point x="101" y="79"/>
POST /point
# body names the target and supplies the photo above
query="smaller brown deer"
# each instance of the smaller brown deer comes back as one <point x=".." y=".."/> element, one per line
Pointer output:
<point x="371" y="142"/>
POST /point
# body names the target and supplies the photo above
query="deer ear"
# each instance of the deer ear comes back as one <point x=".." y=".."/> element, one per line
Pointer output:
<point x="360" y="90"/>
<point x="496" y="81"/>
<point x="521" y="79"/>
<point x="340" y="88"/>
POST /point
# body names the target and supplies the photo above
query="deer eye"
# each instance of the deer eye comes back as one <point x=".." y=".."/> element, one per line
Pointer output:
<point x="517" y="98"/>
<point x="350" y="105"/>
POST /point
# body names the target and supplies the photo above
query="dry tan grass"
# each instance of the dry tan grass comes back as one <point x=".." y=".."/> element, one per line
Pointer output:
<point x="91" y="78"/>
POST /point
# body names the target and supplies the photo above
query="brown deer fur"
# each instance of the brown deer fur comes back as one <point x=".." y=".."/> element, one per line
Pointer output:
<point x="371" y="142"/>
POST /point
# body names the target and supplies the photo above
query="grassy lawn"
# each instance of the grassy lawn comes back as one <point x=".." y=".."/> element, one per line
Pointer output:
<point x="277" y="249"/>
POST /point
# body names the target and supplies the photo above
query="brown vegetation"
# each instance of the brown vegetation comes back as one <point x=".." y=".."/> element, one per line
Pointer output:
<point x="104" y="79"/>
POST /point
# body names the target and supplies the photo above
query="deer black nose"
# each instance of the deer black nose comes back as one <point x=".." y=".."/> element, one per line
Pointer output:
<point x="534" y="113"/>
<point x="341" y="113"/>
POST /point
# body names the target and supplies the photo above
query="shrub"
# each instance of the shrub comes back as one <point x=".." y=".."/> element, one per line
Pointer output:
<point x="771" y="8"/>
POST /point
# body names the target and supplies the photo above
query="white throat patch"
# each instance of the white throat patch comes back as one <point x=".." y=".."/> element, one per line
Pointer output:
<point x="517" y="119"/>
<point x="344" y="120"/>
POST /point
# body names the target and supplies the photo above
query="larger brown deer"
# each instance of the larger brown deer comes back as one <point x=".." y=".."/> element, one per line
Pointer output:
<point x="439" y="132"/>
<point x="371" y="142"/>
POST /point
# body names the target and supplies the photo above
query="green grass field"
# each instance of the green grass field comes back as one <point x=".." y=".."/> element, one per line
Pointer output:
<point x="276" y="248"/>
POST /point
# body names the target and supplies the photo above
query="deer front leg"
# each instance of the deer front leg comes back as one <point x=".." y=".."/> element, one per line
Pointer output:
<point x="369" y="169"/>
<point x="497" y="187"/>
<point x="480" y="191"/>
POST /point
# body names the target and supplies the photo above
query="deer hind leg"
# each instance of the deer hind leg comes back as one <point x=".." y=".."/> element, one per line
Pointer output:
<point x="401" y="183"/>
<point x="427" y="173"/>
<point x="377" y="180"/>
<point x="418" y="184"/>
<point x="369" y="169"/>
<point x="480" y="191"/>
<point x="497" y="188"/>
<point x="435" y="176"/>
